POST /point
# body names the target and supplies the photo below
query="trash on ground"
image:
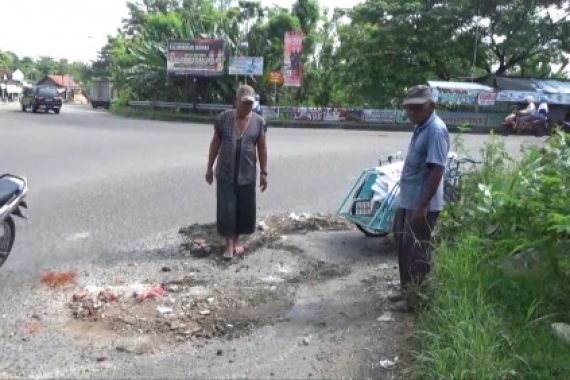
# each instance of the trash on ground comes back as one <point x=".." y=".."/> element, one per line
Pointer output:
<point x="152" y="292"/>
<point x="262" y="226"/>
<point x="562" y="331"/>
<point x="164" y="310"/>
<point x="56" y="280"/>
<point x="88" y="302"/>
<point x="387" y="364"/>
<point x="386" y="317"/>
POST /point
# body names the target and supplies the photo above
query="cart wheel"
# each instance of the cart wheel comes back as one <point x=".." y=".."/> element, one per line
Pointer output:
<point x="371" y="233"/>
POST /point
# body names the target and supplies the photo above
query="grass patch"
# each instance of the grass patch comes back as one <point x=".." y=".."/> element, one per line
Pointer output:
<point x="486" y="320"/>
<point x="161" y="114"/>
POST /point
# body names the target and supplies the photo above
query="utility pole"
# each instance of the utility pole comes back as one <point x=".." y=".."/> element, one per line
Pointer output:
<point x="476" y="43"/>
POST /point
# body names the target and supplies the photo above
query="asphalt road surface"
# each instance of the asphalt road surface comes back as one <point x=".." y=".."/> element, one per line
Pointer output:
<point x="100" y="184"/>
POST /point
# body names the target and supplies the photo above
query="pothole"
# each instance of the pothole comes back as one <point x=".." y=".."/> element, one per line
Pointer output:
<point x="202" y="240"/>
<point x="186" y="312"/>
<point x="221" y="301"/>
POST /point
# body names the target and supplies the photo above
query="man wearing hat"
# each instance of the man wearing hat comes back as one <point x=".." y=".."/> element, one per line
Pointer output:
<point x="239" y="138"/>
<point x="421" y="189"/>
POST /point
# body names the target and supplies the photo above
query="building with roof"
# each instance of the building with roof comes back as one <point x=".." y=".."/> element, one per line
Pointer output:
<point x="64" y="84"/>
<point x="498" y="94"/>
<point x="12" y="84"/>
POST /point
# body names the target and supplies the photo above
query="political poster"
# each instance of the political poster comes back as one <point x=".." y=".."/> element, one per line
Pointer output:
<point x="293" y="66"/>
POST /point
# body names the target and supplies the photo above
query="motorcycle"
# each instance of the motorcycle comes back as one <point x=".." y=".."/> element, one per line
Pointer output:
<point x="13" y="192"/>
<point x="536" y="126"/>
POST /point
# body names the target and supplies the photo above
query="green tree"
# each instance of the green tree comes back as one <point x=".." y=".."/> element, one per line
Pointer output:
<point x="139" y="61"/>
<point x="266" y="39"/>
<point x="391" y="44"/>
<point x="47" y="65"/>
<point x="8" y="60"/>
<point x="322" y="75"/>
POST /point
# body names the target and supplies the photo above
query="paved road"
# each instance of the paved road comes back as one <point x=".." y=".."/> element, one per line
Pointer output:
<point x="102" y="184"/>
<point x="103" y="189"/>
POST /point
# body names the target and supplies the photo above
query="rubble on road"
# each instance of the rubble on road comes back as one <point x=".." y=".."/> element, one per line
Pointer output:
<point x="155" y="291"/>
<point x="91" y="301"/>
<point x="185" y="311"/>
<point x="202" y="240"/>
<point x="203" y="306"/>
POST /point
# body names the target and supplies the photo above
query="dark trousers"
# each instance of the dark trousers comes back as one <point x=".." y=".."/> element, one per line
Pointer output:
<point x="235" y="209"/>
<point x="413" y="245"/>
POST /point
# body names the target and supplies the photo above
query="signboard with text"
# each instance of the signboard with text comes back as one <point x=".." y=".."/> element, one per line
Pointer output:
<point x="519" y="96"/>
<point x="246" y="66"/>
<point x="487" y="98"/>
<point x="198" y="57"/>
<point x="275" y="77"/>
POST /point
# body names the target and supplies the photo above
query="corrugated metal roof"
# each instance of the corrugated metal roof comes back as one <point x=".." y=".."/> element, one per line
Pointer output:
<point x="515" y="84"/>
<point x="551" y="86"/>
<point x="548" y="86"/>
<point x="461" y="86"/>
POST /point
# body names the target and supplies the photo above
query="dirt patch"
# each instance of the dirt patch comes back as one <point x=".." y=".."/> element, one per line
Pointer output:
<point x="319" y="270"/>
<point x="202" y="240"/>
<point x="224" y="300"/>
<point x="185" y="310"/>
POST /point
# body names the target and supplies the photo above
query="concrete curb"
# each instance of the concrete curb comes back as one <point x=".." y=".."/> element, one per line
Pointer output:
<point x="303" y="124"/>
<point x="363" y="126"/>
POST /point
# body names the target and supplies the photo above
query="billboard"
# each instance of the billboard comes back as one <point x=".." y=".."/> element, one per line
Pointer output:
<point x="293" y="51"/>
<point x="246" y="66"/>
<point x="199" y="57"/>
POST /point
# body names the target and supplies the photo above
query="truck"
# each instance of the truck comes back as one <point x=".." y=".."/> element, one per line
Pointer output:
<point x="100" y="93"/>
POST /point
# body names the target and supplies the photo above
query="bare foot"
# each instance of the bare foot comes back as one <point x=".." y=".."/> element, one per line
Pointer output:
<point x="229" y="251"/>
<point x="228" y="255"/>
<point x="239" y="249"/>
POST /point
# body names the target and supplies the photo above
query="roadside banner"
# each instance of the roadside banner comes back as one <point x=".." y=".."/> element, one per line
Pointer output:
<point x="453" y="96"/>
<point x="246" y="66"/>
<point x="293" y="51"/>
<point x="457" y="118"/>
<point x="275" y="77"/>
<point x="199" y="57"/>
<point x="514" y="96"/>
<point x="487" y="98"/>
<point x="320" y="114"/>
<point x="379" y="116"/>
<point x="519" y="96"/>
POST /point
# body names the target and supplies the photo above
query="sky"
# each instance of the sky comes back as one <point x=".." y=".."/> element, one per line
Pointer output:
<point x="75" y="29"/>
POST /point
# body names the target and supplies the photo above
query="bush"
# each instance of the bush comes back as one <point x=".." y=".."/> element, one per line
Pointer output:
<point x="484" y="322"/>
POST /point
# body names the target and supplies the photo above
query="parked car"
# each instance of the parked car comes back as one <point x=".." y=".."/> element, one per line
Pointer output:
<point x="41" y="98"/>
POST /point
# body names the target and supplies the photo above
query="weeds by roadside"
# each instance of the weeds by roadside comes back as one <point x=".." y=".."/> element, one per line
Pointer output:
<point x="502" y="272"/>
<point x="163" y="115"/>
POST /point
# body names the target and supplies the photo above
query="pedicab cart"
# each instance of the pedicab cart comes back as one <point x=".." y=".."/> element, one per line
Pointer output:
<point x="372" y="200"/>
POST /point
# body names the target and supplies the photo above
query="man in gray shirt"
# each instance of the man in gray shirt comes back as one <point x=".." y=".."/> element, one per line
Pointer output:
<point x="421" y="188"/>
<point x="239" y="138"/>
